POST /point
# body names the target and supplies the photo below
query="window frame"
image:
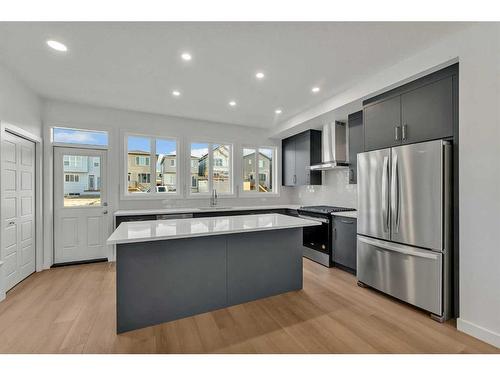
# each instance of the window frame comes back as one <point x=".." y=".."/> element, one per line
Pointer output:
<point x="153" y="194"/>
<point x="189" y="193"/>
<point x="274" y="168"/>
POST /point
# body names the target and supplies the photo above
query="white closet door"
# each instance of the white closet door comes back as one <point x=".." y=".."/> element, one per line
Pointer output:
<point x="18" y="208"/>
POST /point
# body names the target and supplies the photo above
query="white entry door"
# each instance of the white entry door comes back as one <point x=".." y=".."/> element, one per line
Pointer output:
<point x="80" y="208"/>
<point x="18" y="208"/>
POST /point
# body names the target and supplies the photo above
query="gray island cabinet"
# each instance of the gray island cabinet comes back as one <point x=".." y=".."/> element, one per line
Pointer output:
<point x="170" y="269"/>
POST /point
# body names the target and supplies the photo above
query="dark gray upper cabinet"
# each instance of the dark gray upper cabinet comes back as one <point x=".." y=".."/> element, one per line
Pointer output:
<point x="422" y="110"/>
<point x="344" y="242"/>
<point x="356" y="142"/>
<point x="382" y="122"/>
<point x="427" y="112"/>
<point x="298" y="153"/>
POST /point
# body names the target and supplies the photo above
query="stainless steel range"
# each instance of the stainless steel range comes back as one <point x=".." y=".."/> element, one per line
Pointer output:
<point x="317" y="240"/>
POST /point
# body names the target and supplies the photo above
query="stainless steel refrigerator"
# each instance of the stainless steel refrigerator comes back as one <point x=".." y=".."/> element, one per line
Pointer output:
<point x="404" y="224"/>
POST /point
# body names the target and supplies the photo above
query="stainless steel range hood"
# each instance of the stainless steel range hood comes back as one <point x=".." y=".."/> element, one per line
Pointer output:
<point x="334" y="147"/>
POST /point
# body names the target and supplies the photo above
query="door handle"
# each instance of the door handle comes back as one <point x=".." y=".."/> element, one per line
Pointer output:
<point x="396" y="132"/>
<point x="11" y="222"/>
<point x="405" y="126"/>
<point x="395" y="193"/>
<point x="385" y="193"/>
<point x="105" y="212"/>
<point x="347" y="222"/>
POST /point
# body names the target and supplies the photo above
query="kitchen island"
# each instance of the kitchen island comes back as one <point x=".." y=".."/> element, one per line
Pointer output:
<point x="170" y="269"/>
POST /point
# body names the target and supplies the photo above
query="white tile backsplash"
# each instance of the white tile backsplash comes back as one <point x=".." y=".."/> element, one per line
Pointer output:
<point x="335" y="191"/>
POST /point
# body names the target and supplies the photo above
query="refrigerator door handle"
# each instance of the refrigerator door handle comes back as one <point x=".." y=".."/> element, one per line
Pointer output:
<point x="395" y="193"/>
<point x="402" y="249"/>
<point x="385" y="194"/>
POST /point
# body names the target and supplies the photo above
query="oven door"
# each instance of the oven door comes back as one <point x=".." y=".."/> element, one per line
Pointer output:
<point x="317" y="237"/>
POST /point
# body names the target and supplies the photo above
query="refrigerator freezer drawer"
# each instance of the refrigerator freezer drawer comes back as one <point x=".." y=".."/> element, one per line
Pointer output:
<point x="407" y="273"/>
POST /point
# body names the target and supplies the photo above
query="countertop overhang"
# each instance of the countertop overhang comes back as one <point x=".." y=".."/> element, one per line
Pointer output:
<point x="158" y="230"/>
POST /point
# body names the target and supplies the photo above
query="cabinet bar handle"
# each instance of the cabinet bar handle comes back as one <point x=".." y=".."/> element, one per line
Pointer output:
<point x="396" y="132"/>
<point x="404" y="131"/>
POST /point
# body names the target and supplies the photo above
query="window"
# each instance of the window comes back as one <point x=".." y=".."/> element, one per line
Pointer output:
<point x="139" y="152"/>
<point x="166" y="170"/>
<point x="151" y="165"/>
<point x="71" y="178"/>
<point x="199" y="154"/>
<point x="211" y="168"/>
<point x="258" y="180"/>
<point x="82" y="181"/>
<point x="79" y="136"/>
<point x="144" y="178"/>
<point x="221" y="174"/>
<point x="142" y="160"/>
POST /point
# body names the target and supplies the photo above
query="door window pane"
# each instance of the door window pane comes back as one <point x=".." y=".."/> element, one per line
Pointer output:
<point x="139" y="165"/>
<point x="221" y="178"/>
<point x="249" y="179"/>
<point x="266" y="170"/>
<point x="199" y="167"/>
<point x="80" y="175"/>
<point x="166" y="170"/>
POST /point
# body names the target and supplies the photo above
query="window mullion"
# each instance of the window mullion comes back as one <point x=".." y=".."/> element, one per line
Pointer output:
<point x="210" y="168"/>
<point x="152" y="166"/>
<point x="257" y="182"/>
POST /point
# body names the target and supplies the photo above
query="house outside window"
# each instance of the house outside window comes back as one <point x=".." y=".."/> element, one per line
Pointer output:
<point x="211" y="164"/>
<point x="152" y="165"/>
<point x="258" y="180"/>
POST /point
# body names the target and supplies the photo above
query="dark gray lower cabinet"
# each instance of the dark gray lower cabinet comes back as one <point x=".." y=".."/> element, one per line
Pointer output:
<point x="344" y="243"/>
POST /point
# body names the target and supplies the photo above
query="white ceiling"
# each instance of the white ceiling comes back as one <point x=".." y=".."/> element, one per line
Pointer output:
<point x="136" y="66"/>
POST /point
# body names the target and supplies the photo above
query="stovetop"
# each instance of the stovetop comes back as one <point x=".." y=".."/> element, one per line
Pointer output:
<point x="325" y="209"/>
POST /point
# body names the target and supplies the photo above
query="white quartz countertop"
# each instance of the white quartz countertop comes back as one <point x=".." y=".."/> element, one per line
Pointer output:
<point x="157" y="230"/>
<point x="182" y="210"/>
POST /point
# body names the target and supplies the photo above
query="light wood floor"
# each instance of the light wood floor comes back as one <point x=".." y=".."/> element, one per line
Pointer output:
<point x="72" y="310"/>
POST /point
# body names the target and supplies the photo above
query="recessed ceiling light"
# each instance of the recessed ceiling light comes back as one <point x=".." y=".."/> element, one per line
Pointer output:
<point x="58" y="46"/>
<point x="186" y="56"/>
<point x="278" y="111"/>
<point x="176" y="93"/>
<point x="259" y="75"/>
<point x="232" y="103"/>
<point x="315" y="89"/>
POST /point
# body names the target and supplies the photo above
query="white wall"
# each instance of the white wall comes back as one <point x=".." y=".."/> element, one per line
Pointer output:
<point x="477" y="49"/>
<point x="116" y="122"/>
<point x="21" y="107"/>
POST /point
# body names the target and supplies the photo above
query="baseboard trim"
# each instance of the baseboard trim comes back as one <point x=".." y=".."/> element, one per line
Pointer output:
<point x="479" y="332"/>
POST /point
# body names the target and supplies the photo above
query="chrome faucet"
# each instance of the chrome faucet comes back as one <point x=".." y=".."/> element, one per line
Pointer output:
<point x="213" y="198"/>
